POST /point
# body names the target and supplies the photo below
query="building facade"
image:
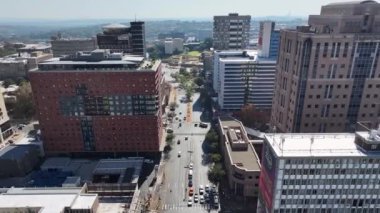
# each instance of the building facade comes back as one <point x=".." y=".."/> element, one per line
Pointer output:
<point x="231" y="32"/>
<point x="99" y="102"/>
<point x="61" y="46"/>
<point x="120" y="38"/>
<point x="173" y="45"/>
<point x="240" y="158"/>
<point x="328" y="76"/>
<point x="320" y="172"/>
<point x="242" y="77"/>
<point x="17" y="65"/>
<point x="269" y="39"/>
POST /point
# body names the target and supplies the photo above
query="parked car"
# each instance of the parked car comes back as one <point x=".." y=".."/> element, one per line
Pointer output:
<point x="186" y="138"/>
<point x="191" y="166"/>
<point x="178" y="142"/>
<point x="190" y="183"/>
<point x="179" y="153"/>
<point x="203" y="125"/>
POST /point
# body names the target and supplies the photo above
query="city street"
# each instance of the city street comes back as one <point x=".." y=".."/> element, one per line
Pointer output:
<point x="174" y="192"/>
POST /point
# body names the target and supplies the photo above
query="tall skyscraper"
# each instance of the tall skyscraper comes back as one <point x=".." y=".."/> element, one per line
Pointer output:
<point x="242" y="77"/>
<point x="320" y="172"/>
<point x="328" y="76"/>
<point x="269" y="39"/>
<point x="231" y="32"/>
<point x="98" y="102"/>
<point x="120" y="38"/>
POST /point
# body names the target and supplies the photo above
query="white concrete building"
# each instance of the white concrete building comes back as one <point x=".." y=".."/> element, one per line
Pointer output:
<point x="47" y="200"/>
<point x="242" y="77"/>
<point x="322" y="172"/>
<point x="172" y="45"/>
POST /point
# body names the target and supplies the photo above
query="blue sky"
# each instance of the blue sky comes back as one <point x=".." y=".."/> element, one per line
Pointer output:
<point x="144" y="9"/>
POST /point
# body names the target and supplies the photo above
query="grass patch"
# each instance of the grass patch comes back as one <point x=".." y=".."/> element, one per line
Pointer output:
<point x="194" y="53"/>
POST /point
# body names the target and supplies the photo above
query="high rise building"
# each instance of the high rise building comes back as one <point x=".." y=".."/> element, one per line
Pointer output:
<point x="320" y="172"/>
<point x="231" y="32"/>
<point x="242" y="77"/>
<point x="68" y="46"/>
<point x="120" y="38"/>
<point x="98" y="102"/>
<point x="328" y="76"/>
<point x="269" y="39"/>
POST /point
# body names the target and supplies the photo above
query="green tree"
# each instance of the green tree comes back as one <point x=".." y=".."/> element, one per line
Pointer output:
<point x="212" y="136"/>
<point x="24" y="107"/>
<point x="173" y="105"/>
<point x="216" y="157"/>
<point x="216" y="173"/>
<point x="214" y="147"/>
<point x="169" y="138"/>
<point x="199" y="81"/>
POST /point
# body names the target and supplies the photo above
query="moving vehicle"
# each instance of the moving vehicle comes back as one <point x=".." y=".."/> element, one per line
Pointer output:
<point x="191" y="191"/>
<point x="190" y="183"/>
<point x="179" y="154"/>
<point x="196" y="198"/>
<point x="190" y="201"/>
<point x="191" y="166"/>
<point x="186" y="138"/>
<point x="207" y="188"/>
<point x="201" y="199"/>
<point x="178" y="142"/>
<point x="201" y="189"/>
<point x="190" y="174"/>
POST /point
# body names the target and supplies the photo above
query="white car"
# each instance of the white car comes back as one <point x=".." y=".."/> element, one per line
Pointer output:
<point x="190" y="201"/>
<point x="207" y="188"/>
<point x="191" y="166"/>
<point x="201" y="199"/>
<point x="195" y="198"/>
<point x="201" y="190"/>
<point x="179" y="153"/>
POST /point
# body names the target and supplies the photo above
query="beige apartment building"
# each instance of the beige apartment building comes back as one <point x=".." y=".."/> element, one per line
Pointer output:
<point x="240" y="158"/>
<point x="328" y="76"/>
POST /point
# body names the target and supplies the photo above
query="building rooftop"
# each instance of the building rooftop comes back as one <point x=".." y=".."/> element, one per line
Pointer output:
<point x="115" y="26"/>
<point x="35" y="47"/>
<point x="244" y="56"/>
<point x="244" y="155"/>
<point x="317" y="144"/>
<point x="16" y="152"/>
<point x="47" y="200"/>
<point x="353" y="2"/>
<point x="98" y="60"/>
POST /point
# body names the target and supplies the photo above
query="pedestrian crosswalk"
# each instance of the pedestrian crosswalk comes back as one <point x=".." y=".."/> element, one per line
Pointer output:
<point x="182" y="206"/>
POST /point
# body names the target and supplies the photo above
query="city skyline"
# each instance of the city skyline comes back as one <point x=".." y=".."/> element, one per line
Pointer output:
<point x="144" y="9"/>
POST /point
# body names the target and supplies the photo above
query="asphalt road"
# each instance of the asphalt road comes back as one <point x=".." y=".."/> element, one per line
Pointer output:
<point x="174" y="193"/>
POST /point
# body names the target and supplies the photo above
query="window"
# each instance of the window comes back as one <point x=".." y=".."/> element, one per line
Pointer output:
<point x="325" y="49"/>
<point x="345" y="50"/>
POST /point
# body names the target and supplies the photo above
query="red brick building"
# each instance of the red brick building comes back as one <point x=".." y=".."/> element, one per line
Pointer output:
<point x="98" y="102"/>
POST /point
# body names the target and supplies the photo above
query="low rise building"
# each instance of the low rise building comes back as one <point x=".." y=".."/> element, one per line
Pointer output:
<point x="17" y="65"/>
<point x="240" y="158"/>
<point x="321" y="172"/>
<point x="48" y="200"/>
<point x="70" y="46"/>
